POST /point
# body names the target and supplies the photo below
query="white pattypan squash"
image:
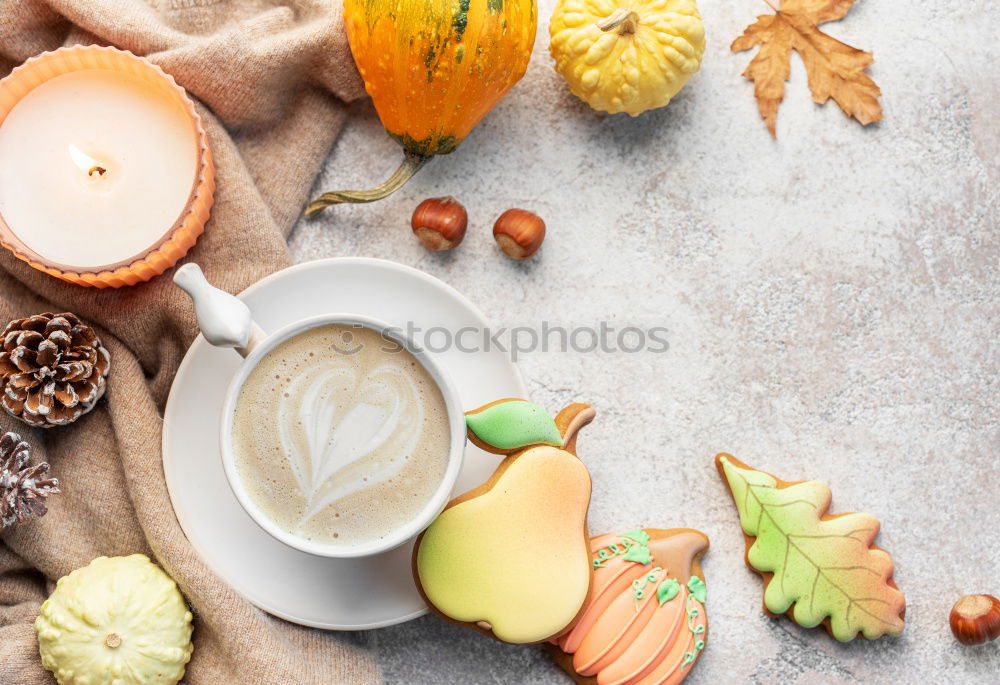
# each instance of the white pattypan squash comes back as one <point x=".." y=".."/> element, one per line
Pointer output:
<point x="626" y="55"/>
<point x="116" y="621"/>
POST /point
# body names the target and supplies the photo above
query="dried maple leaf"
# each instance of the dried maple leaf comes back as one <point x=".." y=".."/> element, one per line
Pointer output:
<point x="835" y="70"/>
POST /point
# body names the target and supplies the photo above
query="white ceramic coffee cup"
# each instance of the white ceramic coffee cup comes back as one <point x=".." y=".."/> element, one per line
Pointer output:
<point x="225" y="321"/>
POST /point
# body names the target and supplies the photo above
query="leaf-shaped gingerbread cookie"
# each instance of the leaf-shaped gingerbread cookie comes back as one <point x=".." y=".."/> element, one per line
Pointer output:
<point x="644" y="621"/>
<point x="817" y="568"/>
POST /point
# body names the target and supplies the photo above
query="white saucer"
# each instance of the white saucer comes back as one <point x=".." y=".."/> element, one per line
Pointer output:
<point x="336" y="594"/>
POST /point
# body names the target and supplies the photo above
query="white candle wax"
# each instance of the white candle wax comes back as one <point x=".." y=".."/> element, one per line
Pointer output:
<point x="96" y="166"/>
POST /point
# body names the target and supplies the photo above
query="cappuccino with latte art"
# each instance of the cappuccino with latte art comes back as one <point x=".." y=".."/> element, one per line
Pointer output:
<point x="340" y="436"/>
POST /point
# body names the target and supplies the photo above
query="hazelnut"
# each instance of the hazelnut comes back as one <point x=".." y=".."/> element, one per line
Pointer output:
<point x="440" y="223"/>
<point x="519" y="233"/>
<point x="975" y="619"/>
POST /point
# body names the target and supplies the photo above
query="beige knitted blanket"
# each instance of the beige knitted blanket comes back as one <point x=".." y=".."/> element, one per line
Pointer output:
<point x="270" y="77"/>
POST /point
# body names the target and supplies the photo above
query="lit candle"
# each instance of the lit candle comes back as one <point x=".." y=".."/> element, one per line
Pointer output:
<point x="105" y="174"/>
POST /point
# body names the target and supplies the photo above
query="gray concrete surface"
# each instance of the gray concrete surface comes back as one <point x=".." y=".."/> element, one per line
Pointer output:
<point x="832" y="306"/>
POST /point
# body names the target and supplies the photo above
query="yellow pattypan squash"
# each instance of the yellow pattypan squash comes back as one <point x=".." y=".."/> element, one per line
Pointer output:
<point x="626" y="55"/>
<point x="116" y="621"/>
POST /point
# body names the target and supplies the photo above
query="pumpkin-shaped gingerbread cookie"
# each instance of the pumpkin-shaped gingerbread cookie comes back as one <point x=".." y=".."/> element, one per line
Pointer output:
<point x="511" y="558"/>
<point x="644" y="621"/>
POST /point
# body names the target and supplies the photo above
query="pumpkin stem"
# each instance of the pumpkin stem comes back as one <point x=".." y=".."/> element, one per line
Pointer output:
<point x="623" y="19"/>
<point x="411" y="165"/>
<point x="113" y="640"/>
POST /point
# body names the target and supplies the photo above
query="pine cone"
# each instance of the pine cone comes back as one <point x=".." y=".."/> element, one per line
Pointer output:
<point x="52" y="369"/>
<point x="23" y="488"/>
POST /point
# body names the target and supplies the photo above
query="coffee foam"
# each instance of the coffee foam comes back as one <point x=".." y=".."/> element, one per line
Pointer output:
<point x="340" y="436"/>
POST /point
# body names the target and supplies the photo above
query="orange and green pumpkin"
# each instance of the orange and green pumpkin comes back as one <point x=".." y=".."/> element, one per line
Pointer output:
<point x="433" y="69"/>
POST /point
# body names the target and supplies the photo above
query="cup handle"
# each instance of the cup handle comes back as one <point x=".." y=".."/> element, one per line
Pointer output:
<point x="224" y="320"/>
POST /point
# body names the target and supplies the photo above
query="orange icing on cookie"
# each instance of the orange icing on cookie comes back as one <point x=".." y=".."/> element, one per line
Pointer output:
<point x="644" y="619"/>
<point x="515" y="556"/>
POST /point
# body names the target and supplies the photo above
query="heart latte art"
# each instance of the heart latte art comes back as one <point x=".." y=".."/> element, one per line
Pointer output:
<point x="340" y="436"/>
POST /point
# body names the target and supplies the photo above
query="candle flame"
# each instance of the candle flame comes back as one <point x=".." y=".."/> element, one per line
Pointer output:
<point x="85" y="162"/>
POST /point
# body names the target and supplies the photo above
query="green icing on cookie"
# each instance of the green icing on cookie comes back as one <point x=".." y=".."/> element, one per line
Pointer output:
<point x="693" y="613"/>
<point x="514" y="424"/>
<point x="697" y="587"/>
<point x="631" y="546"/>
<point x="604" y="554"/>
<point x="639" y="554"/>
<point x="639" y="585"/>
<point x="639" y="535"/>
<point x="667" y="590"/>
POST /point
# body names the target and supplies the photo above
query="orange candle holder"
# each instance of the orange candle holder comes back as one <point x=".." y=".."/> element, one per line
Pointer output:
<point x="176" y="239"/>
